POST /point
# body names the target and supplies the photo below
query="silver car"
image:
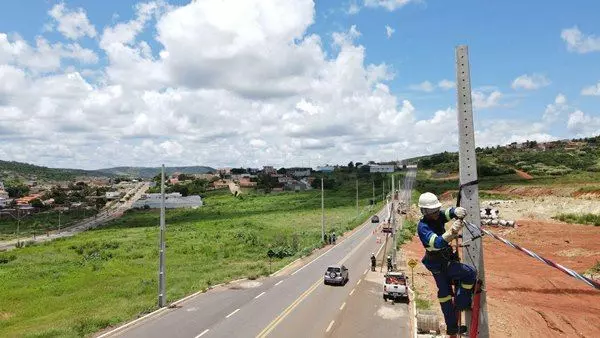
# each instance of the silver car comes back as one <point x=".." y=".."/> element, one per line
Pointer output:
<point x="336" y="274"/>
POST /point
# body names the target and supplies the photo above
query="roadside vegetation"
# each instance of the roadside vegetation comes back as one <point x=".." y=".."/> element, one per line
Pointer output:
<point x="409" y="229"/>
<point x="591" y="219"/>
<point x="76" y="286"/>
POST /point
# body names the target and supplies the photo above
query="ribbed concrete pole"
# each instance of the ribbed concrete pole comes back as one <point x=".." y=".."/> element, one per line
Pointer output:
<point x="472" y="254"/>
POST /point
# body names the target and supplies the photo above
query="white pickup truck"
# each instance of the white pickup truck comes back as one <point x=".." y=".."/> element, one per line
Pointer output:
<point x="395" y="287"/>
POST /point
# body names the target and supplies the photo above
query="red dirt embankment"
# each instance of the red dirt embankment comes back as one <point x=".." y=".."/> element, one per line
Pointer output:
<point x="523" y="174"/>
<point x="527" y="298"/>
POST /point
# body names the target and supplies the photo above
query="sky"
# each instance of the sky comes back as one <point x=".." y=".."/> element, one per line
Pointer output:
<point x="89" y="84"/>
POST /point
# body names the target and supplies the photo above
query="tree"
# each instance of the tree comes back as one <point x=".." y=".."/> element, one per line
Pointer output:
<point x="185" y="177"/>
<point x="281" y="171"/>
<point x="266" y="182"/>
<point x="16" y="189"/>
<point x="238" y="171"/>
<point x="350" y="165"/>
<point x="37" y="203"/>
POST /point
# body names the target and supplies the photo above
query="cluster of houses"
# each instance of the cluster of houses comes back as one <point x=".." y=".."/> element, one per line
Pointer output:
<point x="543" y="146"/>
<point x="294" y="179"/>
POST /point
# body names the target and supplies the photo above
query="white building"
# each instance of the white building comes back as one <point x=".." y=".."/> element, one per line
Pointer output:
<point x="381" y="168"/>
<point x="300" y="172"/>
<point x="325" y="169"/>
<point x="172" y="201"/>
<point x="111" y="195"/>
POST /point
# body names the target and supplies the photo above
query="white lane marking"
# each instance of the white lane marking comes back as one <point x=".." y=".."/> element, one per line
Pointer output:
<point x="367" y="270"/>
<point x="231" y="314"/>
<point x="278" y="282"/>
<point x="351" y="292"/>
<point x="262" y="293"/>
<point x="330" y="325"/>
<point x="203" y="333"/>
<point x="358" y="282"/>
<point x="343" y="305"/>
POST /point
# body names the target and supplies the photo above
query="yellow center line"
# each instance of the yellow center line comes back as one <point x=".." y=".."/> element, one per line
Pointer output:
<point x="265" y="332"/>
<point x="287" y="311"/>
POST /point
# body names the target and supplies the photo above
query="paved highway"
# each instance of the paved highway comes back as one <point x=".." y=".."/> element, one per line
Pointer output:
<point x="297" y="304"/>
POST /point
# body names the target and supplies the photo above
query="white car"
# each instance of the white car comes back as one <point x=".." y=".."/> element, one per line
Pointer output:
<point x="395" y="286"/>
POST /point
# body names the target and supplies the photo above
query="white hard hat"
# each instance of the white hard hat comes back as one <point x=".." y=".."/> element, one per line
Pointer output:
<point x="429" y="201"/>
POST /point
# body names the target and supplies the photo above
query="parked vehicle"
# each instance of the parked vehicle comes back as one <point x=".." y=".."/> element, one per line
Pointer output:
<point x="395" y="287"/>
<point x="336" y="274"/>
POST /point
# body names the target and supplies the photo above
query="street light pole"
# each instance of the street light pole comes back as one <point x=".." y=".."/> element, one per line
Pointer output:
<point x="161" y="269"/>
<point x="322" y="212"/>
<point x="18" y="226"/>
<point x="373" y="193"/>
<point x="357" y="213"/>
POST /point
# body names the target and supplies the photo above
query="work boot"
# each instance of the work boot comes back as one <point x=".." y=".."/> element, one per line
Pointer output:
<point x="455" y="333"/>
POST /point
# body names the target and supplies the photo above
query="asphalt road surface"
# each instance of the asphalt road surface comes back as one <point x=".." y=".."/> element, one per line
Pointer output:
<point x="295" y="305"/>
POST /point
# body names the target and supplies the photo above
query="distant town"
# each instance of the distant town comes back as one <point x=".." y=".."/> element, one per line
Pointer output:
<point x="21" y="197"/>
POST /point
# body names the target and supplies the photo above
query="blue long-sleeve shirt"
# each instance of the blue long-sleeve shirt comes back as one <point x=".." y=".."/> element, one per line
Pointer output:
<point x="431" y="231"/>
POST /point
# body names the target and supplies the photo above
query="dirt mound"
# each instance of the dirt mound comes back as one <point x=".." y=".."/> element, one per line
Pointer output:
<point x="534" y="191"/>
<point x="527" y="298"/>
<point x="523" y="174"/>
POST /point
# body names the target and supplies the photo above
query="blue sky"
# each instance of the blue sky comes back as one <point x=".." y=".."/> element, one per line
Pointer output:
<point x="267" y="78"/>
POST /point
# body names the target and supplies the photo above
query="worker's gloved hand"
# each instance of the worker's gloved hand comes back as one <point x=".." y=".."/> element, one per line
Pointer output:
<point x="460" y="212"/>
<point x="456" y="227"/>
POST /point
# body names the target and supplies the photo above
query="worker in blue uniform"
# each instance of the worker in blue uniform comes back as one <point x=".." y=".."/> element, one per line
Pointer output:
<point x="442" y="261"/>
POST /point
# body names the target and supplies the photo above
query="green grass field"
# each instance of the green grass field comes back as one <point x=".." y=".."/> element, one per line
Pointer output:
<point x="76" y="286"/>
<point x="591" y="219"/>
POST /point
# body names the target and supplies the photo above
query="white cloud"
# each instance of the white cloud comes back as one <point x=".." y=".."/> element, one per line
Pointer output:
<point x="424" y="86"/>
<point x="261" y="90"/>
<point x="578" y="42"/>
<point x="390" y="5"/>
<point x="73" y="24"/>
<point x="554" y="110"/>
<point x="593" y="90"/>
<point x="353" y="9"/>
<point x="583" y="124"/>
<point x="530" y="82"/>
<point x="446" y="84"/>
<point x="483" y="99"/>
<point x="44" y="57"/>
<point x="389" y="31"/>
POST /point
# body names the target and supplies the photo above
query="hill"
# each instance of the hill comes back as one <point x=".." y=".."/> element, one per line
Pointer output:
<point x="149" y="172"/>
<point x="554" y="158"/>
<point x="11" y="169"/>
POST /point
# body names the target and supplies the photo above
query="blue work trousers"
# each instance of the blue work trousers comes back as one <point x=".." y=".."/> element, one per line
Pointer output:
<point x="464" y="275"/>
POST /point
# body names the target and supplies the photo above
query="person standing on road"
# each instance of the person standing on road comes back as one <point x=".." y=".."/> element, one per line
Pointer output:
<point x="389" y="263"/>
<point x="442" y="261"/>
<point x="333" y="238"/>
<point x="373" y="262"/>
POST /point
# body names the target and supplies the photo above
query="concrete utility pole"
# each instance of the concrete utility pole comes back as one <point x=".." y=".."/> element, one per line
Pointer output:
<point x="472" y="254"/>
<point x="161" y="268"/>
<point x="393" y="221"/>
<point x="357" y="213"/>
<point x="373" y="192"/>
<point x="322" y="212"/>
